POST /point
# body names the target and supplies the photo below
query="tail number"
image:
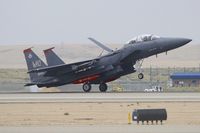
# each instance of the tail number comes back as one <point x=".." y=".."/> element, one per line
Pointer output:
<point x="36" y="63"/>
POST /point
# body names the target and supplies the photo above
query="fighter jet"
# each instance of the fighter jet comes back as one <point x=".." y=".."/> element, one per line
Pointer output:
<point x="100" y="70"/>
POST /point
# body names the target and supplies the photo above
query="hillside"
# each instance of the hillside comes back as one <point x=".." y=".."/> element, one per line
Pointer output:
<point x="12" y="56"/>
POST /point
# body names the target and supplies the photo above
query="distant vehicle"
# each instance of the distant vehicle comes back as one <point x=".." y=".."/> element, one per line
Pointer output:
<point x="117" y="88"/>
<point x="154" y="89"/>
<point x="100" y="70"/>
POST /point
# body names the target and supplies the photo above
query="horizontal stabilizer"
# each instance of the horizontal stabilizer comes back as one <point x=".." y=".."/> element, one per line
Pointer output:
<point x="100" y="45"/>
<point x="29" y="84"/>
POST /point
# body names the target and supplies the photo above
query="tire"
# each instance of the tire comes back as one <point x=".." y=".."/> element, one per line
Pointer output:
<point x="140" y="75"/>
<point x="87" y="87"/>
<point x="103" y="87"/>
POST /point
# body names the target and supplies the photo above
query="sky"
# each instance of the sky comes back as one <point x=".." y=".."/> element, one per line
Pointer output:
<point x="109" y="21"/>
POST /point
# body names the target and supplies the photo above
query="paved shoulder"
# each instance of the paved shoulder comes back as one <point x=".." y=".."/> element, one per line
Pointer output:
<point x="100" y="97"/>
<point x="105" y="128"/>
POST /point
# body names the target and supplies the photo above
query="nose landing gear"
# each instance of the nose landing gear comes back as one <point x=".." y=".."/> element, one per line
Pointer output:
<point x="140" y="75"/>
<point x="138" y="66"/>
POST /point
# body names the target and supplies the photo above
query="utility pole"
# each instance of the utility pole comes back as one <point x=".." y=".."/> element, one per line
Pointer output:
<point x="158" y="76"/>
<point x="168" y="72"/>
<point x="150" y="75"/>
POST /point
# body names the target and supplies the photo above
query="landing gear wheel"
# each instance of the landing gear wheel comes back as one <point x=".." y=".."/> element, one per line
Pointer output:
<point x="140" y="75"/>
<point x="87" y="87"/>
<point x="103" y="87"/>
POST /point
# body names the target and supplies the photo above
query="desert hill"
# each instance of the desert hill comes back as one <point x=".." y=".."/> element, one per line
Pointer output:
<point x="11" y="56"/>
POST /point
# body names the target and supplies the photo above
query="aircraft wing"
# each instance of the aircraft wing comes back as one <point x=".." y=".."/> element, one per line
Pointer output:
<point x="100" y="45"/>
<point x="66" y="68"/>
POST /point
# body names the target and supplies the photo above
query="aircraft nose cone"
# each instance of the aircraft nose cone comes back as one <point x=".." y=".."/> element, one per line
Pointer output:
<point x="182" y="41"/>
<point x="173" y="43"/>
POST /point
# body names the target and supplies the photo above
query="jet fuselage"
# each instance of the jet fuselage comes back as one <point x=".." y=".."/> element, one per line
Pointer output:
<point x="120" y="62"/>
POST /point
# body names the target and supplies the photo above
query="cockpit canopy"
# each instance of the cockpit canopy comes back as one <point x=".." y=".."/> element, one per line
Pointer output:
<point x="143" y="38"/>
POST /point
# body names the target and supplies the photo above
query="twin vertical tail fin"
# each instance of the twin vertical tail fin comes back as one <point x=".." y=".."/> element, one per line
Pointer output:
<point x="33" y="62"/>
<point x="52" y="58"/>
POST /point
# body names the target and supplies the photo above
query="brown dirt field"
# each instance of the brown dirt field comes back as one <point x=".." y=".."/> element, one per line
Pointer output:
<point x="44" y="114"/>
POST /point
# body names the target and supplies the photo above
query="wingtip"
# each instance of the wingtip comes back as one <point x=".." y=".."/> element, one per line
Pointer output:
<point x="90" y="38"/>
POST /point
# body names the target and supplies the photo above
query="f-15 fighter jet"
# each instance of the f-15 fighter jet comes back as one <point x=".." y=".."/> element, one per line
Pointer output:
<point x="100" y="70"/>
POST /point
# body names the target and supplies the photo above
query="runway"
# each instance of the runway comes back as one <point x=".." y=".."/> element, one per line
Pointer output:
<point x="98" y="97"/>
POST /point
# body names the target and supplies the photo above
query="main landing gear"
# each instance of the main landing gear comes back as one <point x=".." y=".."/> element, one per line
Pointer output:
<point x="87" y="87"/>
<point x="102" y="87"/>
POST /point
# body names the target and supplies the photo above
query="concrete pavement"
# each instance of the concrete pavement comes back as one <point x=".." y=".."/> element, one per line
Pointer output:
<point x="99" y="97"/>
